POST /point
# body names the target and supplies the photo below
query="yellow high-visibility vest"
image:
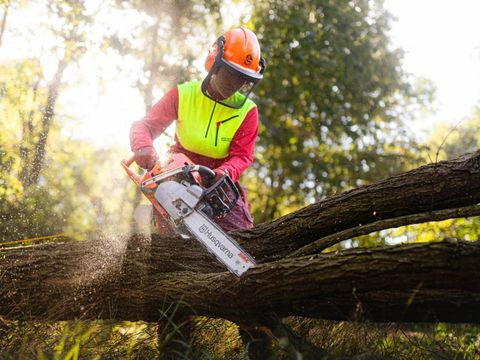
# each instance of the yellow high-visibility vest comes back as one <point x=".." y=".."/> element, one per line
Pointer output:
<point x="204" y="126"/>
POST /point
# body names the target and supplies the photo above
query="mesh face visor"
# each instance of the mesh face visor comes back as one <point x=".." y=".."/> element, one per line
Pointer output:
<point x="229" y="84"/>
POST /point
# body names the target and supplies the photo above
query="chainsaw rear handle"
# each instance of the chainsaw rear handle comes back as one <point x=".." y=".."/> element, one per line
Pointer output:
<point x="129" y="161"/>
<point x="137" y="178"/>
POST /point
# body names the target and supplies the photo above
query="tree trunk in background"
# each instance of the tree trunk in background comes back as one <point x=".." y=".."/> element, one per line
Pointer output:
<point x="4" y="21"/>
<point x="47" y="119"/>
<point x="148" y="102"/>
<point x="152" y="68"/>
<point x="28" y="136"/>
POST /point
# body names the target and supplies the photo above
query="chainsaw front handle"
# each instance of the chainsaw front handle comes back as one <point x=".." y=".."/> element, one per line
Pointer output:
<point x="204" y="171"/>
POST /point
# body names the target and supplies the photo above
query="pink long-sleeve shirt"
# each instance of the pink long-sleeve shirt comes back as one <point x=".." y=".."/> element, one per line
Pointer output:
<point x="165" y="111"/>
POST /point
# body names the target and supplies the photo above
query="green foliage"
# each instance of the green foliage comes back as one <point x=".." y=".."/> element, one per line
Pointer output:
<point x="330" y="102"/>
<point x="70" y="195"/>
<point x="465" y="229"/>
<point x="447" y="141"/>
<point x="19" y="86"/>
<point x="70" y="21"/>
<point x="4" y="3"/>
<point x="73" y="196"/>
<point x="23" y="90"/>
<point x="35" y="206"/>
<point x="330" y="106"/>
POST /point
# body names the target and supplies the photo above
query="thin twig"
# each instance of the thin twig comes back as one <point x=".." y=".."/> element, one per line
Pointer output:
<point x="446" y="137"/>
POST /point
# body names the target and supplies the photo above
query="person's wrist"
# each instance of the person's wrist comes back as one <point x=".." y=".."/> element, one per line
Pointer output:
<point x="219" y="172"/>
<point x="145" y="149"/>
<point x="146" y="157"/>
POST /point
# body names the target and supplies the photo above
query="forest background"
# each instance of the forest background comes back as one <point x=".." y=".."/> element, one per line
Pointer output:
<point x="336" y="108"/>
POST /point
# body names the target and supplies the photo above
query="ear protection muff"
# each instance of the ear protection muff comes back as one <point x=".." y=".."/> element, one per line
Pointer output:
<point x="216" y="53"/>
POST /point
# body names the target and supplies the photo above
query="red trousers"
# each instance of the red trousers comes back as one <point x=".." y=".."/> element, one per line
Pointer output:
<point x="238" y="218"/>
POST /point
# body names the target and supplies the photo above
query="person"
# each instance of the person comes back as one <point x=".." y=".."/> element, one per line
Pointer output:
<point x="216" y="120"/>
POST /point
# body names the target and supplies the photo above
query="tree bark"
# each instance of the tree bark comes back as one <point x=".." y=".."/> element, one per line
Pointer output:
<point x="438" y="215"/>
<point x="132" y="279"/>
<point x="420" y="282"/>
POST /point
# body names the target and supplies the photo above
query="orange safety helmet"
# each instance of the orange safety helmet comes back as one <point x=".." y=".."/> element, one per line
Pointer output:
<point x="238" y="52"/>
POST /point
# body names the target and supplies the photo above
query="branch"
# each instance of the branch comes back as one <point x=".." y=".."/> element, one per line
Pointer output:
<point x="445" y="185"/>
<point x="323" y="243"/>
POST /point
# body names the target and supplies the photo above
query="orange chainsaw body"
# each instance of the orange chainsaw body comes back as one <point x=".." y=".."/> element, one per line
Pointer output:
<point x="175" y="161"/>
<point x="183" y="204"/>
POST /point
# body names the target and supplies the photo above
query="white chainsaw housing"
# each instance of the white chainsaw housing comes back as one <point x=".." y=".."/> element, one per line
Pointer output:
<point x="184" y="206"/>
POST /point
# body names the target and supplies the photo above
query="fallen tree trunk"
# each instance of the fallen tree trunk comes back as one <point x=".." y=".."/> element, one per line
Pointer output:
<point x="121" y="278"/>
<point x="419" y="282"/>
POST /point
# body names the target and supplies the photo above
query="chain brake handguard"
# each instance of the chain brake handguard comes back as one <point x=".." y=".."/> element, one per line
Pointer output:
<point x="221" y="197"/>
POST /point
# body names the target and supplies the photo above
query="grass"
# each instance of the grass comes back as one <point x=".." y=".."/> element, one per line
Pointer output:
<point x="391" y="340"/>
<point x="219" y="339"/>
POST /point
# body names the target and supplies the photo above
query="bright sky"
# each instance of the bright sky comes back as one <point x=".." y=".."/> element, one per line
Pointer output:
<point x="441" y="39"/>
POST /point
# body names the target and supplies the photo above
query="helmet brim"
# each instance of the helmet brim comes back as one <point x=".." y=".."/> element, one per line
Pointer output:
<point x="244" y="73"/>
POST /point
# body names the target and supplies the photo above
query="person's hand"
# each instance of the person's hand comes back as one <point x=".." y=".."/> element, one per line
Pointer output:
<point x="146" y="157"/>
<point x="219" y="173"/>
<point x="213" y="180"/>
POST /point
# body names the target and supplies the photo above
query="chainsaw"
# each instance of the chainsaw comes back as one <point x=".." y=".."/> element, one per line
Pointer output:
<point x="187" y="197"/>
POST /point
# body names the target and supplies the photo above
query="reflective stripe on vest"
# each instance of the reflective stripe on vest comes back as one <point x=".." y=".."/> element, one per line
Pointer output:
<point x="204" y="126"/>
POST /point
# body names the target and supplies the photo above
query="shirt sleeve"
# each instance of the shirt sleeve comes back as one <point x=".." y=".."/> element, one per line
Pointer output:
<point x="242" y="147"/>
<point x="160" y="116"/>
